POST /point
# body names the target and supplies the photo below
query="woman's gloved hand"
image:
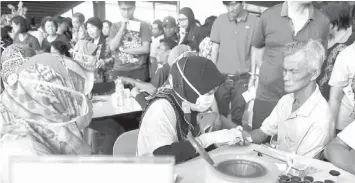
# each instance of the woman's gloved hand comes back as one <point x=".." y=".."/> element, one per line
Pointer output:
<point x="230" y="137"/>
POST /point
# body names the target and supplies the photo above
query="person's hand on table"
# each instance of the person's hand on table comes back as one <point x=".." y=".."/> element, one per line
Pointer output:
<point x="229" y="137"/>
<point x="247" y="140"/>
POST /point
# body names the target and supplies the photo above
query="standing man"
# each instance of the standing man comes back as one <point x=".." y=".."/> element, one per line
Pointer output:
<point x="158" y="34"/>
<point x="279" y="25"/>
<point x="231" y="51"/>
<point x="170" y="29"/>
<point x="130" y="41"/>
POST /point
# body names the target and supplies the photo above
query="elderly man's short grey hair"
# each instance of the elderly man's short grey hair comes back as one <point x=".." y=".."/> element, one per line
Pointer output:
<point x="313" y="50"/>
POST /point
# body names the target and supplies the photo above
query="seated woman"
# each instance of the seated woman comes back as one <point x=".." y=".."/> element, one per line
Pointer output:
<point x="341" y="150"/>
<point x="172" y="113"/>
<point x="44" y="109"/>
<point x="51" y="27"/>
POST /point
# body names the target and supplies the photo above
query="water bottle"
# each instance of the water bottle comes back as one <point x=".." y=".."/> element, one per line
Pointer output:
<point x="119" y="92"/>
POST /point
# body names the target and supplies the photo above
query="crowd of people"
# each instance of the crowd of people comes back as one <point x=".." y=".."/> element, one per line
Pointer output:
<point x="188" y="78"/>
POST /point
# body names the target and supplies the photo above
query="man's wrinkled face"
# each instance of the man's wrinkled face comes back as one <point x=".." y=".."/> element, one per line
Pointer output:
<point x="127" y="11"/>
<point x="234" y="8"/>
<point x="296" y="72"/>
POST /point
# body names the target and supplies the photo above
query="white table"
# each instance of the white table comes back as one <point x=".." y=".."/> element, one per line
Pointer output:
<point x="103" y="106"/>
<point x="194" y="171"/>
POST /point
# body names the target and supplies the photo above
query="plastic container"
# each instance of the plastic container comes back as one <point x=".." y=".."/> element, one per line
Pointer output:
<point x="120" y="93"/>
<point x="231" y="168"/>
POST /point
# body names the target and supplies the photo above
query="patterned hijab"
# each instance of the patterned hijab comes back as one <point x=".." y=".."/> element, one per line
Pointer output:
<point x="12" y="58"/>
<point x="47" y="103"/>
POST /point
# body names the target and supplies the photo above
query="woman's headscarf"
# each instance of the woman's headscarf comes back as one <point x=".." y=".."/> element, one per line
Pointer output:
<point x="12" y="58"/>
<point x="47" y="103"/>
<point x="178" y="52"/>
<point x="201" y="72"/>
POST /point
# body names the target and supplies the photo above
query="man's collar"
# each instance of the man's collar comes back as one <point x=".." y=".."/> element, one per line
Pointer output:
<point x="284" y="11"/>
<point x="307" y="107"/>
<point x="243" y="16"/>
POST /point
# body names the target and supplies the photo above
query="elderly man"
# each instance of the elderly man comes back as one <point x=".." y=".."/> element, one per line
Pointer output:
<point x="279" y="25"/>
<point x="341" y="151"/>
<point x="302" y="119"/>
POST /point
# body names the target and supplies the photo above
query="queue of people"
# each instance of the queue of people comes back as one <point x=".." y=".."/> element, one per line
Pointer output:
<point x="295" y="55"/>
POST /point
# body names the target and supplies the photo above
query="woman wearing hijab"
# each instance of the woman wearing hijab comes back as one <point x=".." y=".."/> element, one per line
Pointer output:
<point x="12" y="59"/>
<point x="172" y="113"/>
<point x="44" y="109"/>
<point x="190" y="33"/>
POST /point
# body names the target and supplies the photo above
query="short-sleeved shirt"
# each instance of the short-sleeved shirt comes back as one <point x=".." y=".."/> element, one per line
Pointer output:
<point x="342" y="76"/>
<point x="274" y="31"/>
<point x="30" y="41"/>
<point x="234" y="39"/>
<point x="304" y="131"/>
<point x="130" y="39"/>
<point x="46" y="46"/>
<point x="347" y="135"/>
<point x="158" y="128"/>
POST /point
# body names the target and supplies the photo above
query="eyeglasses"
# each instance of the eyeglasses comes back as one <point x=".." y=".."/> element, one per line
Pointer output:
<point x="182" y="19"/>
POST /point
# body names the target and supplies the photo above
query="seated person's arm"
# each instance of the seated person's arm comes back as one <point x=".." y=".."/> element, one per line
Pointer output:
<point x="157" y="134"/>
<point x="150" y="88"/>
<point x="336" y="95"/>
<point x="269" y="126"/>
<point x="144" y="49"/>
<point x="258" y="136"/>
<point x="341" y="155"/>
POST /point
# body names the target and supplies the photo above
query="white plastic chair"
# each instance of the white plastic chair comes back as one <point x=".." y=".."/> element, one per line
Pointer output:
<point x="126" y="144"/>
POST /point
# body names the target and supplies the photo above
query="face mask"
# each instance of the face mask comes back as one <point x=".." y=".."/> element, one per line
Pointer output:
<point x="203" y="102"/>
<point x="83" y="118"/>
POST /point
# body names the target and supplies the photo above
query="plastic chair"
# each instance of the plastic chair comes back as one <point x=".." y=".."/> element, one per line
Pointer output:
<point x="126" y="144"/>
